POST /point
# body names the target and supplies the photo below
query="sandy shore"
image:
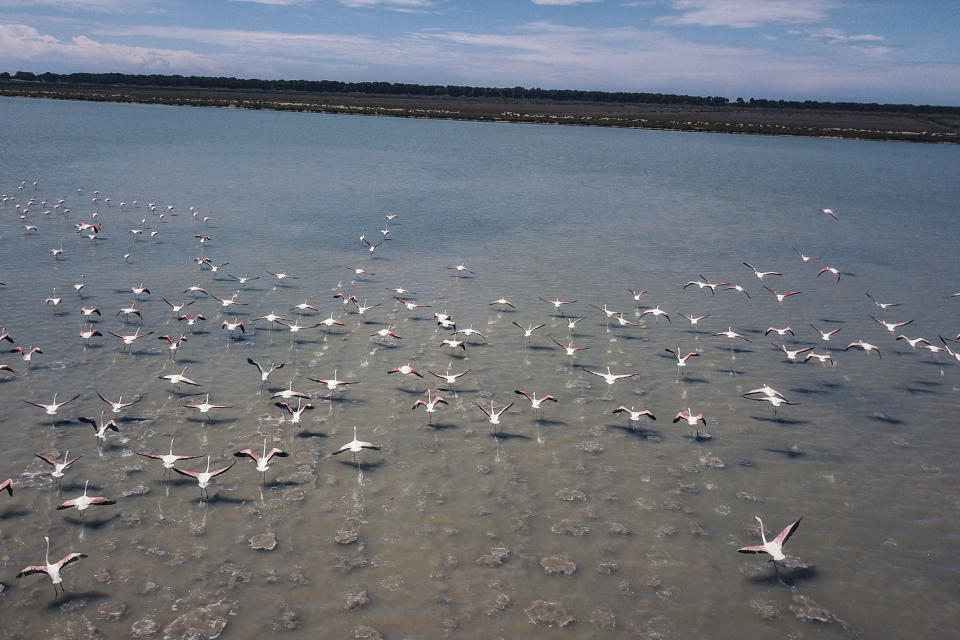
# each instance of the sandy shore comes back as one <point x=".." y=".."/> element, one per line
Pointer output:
<point x="917" y="126"/>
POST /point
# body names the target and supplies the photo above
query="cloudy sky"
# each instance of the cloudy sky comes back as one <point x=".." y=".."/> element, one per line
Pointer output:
<point x="861" y="50"/>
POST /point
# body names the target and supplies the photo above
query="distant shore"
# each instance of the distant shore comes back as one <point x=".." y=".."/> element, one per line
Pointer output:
<point x="859" y="125"/>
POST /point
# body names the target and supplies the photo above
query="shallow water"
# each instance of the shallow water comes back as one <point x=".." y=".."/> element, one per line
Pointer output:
<point x="445" y="529"/>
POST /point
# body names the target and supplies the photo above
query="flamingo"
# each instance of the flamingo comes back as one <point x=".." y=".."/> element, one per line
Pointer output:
<point x="304" y="306"/>
<point x="792" y="354"/>
<point x="168" y="459"/>
<point x="450" y="378"/>
<point x="805" y="257"/>
<point x="767" y="391"/>
<point x="866" y="346"/>
<point x="822" y="358"/>
<point x="405" y="370"/>
<point x="265" y="373"/>
<point x="557" y="303"/>
<point x="118" y="405"/>
<point x="492" y="415"/>
<point x="271" y="317"/>
<point x="703" y="283"/>
<point x="773" y="548"/>
<point x="174" y="344"/>
<point x="128" y="339"/>
<point x="289" y="392"/>
<point x="570" y="350"/>
<point x="913" y="342"/>
<point x="226" y="302"/>
<point x="691" y="418"/>
<point x="891" y="326"/>
<point x="386" y="332"/>
<point x="694" y="320"/>
<point x="281" y="276"/>
<point x="610" y="378"/>
<point x="883" y="305"/>
<point x="737" y="287"/>
<point x="81" y="503"/>
<point x="634" y="415"/>
<point x="832" y="270"/>
<point x="191" y="320"/>
<point x="52" y="569"/>
<point x="681" y="360"/>
<point x="355" y="446"/>
<point x="824" y="335"/>
<point x="233" y="326"/>
<point x="430" y="405"/>
<point x="100" y="428"/>
<point x="501" y="302"/>
<point x="295" y="414"/>
<point x="410" y="304"/>
<point x="656" y="312"/>
<point x="782" y="296"/>
<point x="333" y="383"/>
<point x="762" y="274"/>
<point x="528" y="330"/>
<point x="830" y="213"/>
<point x="535" y="403"/>
<point x="204" y="478"/>
<point x="776" y="401"/>
<point x="460" y="268"/>
<point x="88" y="333"/>
<point x="262" y="461"/>
<point x="178" y="378"/>
<point x="53" y="407"/>
<point x="780" y="332"/>
<point x="205" y="406"/>
<point x="59" y="468"/>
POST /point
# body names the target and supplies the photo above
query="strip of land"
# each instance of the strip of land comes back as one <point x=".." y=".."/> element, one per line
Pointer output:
<point x="916" y="126"/>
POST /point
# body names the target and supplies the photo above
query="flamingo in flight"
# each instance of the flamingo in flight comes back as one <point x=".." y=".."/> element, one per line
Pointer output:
<point x="355" y="446"/>
<point x="118" y="405"/>
<point x="26" y="354"/>
<point x="289" y="392"/>
<point x="100" y="428"/>
<point x="824" y="335"/>
<point x="737" y="287"/>
<point x="81" y="503"/>
<point x="762" y="274"/>
<point x="295" y="414"/>
<point x="204" y="478"/>
<point x="891" y="326"/>
<point x="492" y="415"/>
<point x="610" y="378"/>
<point x="634" y="415"/>
<point x="866" y="346"/>
<point x="52" y="569"/>
<point x="449" y="378"/>
<point x="333" y="383"/>
<point x="830" y="213"/>
<point x="773" y="548"/>
<point x="570" y="350"/>
<point x="681" y="360"/>
<point x="792" y="354"/>
<point x="405" y="370"/>
<point x="262" y="461"/>
<point x="177" y="379"/>
<point x="59" y="467"/>
<point x="782" y="296"/>
<point x="430" y="405"/>
<point x="656" y="312"/>
<point x="265" y="373"/>
<point x="168" y="459"/>
<point x="53" y="407"/>
<point x="557" y="303"/>
<point x="883" y="305"/>
<point x="805" y="257"/>
<point x="535" y="403"/>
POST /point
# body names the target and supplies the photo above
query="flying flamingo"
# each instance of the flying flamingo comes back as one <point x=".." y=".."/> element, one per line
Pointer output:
<point x="430" y="405"/>
<point x="205" y="407"/>
<point x="891" y="326"/>
<point x="777" y="401"/>
<point x="333" y="383"/>
<point x="88" y="333"/>
<point x="832" y="270"/>
<point x="883" y="305"/>
<point x="824" y="335"/>
<point x="26" y="354"/>
<point x="53" y="407"/>
<point x="118" y="405"/>
<point x="174" y="344"/>
<point x="405" y="370"/>
<point x="570" y="350"/>
<point x="100" y="428"/>
<point x="288" y="393"/>
<point x="634" y="415"/>
<point x="656" y="312"/>
<point x="681" y="360"/>
<point x="762" y="274"/>
<point x="82" y="502"/>
<point x="557" y="303"/>
<point x="528" y="330"/>
<point x="265" y="373"/>
<point x="128" y="339"/>
<point x="355" y="446"/>
<point x="792" y="354"/>
<point x="178" y="379"/>
<point x="52" y="570"/>
<point x="610" y="378"/>
<point x="535" y="403"/>
<point x="492" y="415"/>
<point x="295" y="414"/>
<point x="59" y="467"/>
<point x="782" y="296"/>
<point x="263" y="461"/>
<point x="773" y="548"/>
<point x="168" y="459"/>
<point x="830" y="213"/>
<point x="805" y="257"/>
<point x="866" y="346"/>
<point x="692" y="420"/>
<point x="737" y="287"/>
<point x="204" y="478"/>
<point x="450" y="378"/>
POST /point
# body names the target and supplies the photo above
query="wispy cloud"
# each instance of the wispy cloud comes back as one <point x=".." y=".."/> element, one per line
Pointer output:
<point x="390" y="4"/>
<point x="562" y="3"/>
<point x="743" y="14"/>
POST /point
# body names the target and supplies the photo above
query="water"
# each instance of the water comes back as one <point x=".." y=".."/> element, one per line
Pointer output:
<point x="444" y="530"/>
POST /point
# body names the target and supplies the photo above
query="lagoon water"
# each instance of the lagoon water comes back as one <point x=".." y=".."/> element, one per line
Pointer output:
<point x="449" y="529"/>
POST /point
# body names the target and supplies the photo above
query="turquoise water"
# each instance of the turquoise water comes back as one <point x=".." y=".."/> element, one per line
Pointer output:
<point x="447" y="524"/>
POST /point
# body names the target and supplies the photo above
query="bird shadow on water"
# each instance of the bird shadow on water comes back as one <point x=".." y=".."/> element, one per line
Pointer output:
<point x="503" y="435"/>
<point x="780" y="420"/>
<point x="885" y="419"/>
<point x="441" y="426"/>
<point x="637" y="432"/>
<point x="365" y="466"/>
<point x="311" y="434"/>
<point x="789" y="577"/>
<point x="90" y="523"/>
<point x="78" y="596"/>
<point x="10" y="514"/>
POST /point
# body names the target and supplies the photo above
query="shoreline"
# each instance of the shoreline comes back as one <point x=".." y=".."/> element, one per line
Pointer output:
<point x="852" y="125"/>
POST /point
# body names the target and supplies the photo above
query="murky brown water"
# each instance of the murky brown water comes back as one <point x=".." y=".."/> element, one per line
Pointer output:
<point x="570" y="523"/>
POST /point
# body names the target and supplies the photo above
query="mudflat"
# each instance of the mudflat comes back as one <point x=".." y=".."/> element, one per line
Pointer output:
<point x="868" y="124"/>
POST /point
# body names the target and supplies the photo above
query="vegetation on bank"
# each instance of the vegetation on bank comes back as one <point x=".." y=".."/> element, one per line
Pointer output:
<point x="517" y="104"/>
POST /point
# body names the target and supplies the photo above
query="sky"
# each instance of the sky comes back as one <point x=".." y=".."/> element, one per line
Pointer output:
<point x="888" y="51"/>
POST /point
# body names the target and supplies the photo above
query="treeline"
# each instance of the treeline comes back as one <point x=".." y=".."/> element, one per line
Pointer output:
<point x="453" y="91"/>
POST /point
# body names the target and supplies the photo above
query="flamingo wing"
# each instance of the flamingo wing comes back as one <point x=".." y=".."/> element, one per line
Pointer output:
<point x="788" y="531"/>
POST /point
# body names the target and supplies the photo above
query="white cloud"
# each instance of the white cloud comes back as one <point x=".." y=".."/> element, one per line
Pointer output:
<point x="392" y="4"/>
<point x="743" y="14"/>
<point x="26" y="44"/>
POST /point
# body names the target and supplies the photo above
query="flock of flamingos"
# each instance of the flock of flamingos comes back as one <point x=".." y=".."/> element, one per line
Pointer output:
<point x="61" y="228"/>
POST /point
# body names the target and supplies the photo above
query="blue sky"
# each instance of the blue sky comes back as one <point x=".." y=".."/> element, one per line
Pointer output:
<point x="860" y="50"/>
